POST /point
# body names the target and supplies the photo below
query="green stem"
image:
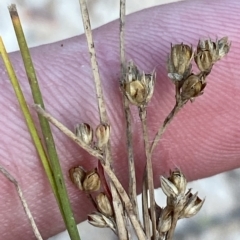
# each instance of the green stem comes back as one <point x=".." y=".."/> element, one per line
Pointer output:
<point x="53" y="157"/>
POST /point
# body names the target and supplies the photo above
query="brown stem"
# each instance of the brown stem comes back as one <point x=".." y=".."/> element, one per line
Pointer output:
<point x="173" y="225"/>
<point x="132" y="187"/>
<point x="145" y="212"/>
<point x="107" y="168"/>
<point x="166" y="122"/>
<point x="150" y="184"/>
<point x="24" y="203"/>
<point x="103" y="116"/>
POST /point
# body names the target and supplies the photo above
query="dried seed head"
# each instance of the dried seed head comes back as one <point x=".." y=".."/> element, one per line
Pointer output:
<point x="135" y="92"/>
<point x="132" y="72"/>
<point x="84" y="132"/>
<point x="148" y="80"/>
<point x="223" y="47"/>
<point x="192" y="206"/>
<point x="168" y="188"/>
<point x="77" y="175"/>
<point x="204" y="60"/>
<point x="91" y="181"/>
<point x="110" y="223"/>
<point x="165" y="220"/>
<point x="179" y="180"/>
<point x="97" y="220"/>
<point x="179" y="62"/>
<point x="102" y="134"/>
<point x="217" y="49"/>
<point x="104" y="205"/>
<point x="193" y="87"/>
<point x="137" y="87"/>
<point x="209" y="52"/>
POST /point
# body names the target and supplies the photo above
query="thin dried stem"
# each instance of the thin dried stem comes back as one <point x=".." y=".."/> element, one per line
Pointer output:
<point x="94" y="64"/>
<point x="178" y="106"/>
<point x="122" y="26"/>
<point x="103" y="114"/>
<point x="70" y="134"/>
<point x="107" y="168"/>
<point x="150" y="184"/>
<point x="173" y="225"/>
<point x="132" y="187"/>
<point x="146" y="218"/>
<point x="118" y="207"/>
<point x="24" y="203"/>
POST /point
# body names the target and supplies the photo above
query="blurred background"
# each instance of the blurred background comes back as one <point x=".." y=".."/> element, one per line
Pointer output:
<point x="220" y="215"/>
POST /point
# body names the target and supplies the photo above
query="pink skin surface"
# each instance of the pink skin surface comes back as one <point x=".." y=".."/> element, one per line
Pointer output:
<point x="202" y="141"/>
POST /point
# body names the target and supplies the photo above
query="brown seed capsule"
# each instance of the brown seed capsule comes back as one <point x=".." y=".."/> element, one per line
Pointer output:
<point x="97" y="220"/>
<point x="104" y="205"/>
<point x="168" y="188"/>
<point x="91" y="181"/>
<point x="102" y="134"/>
<point x="135" y="92"/>
<point x="223" y="47"/>
<point x="137" y="87"/>
<point x="179" y="62"/>
<point x="179" y="180"/>
<point x="77" y="175"/>
<point x="192" y="207"/>
<point x="84" y="132"/>
<point x="204" y="61"/>
<point x="165" y="220"/>
<point x="148" y="80"/>
<point x="192" y="87"/>
<point x="209" y="52"/>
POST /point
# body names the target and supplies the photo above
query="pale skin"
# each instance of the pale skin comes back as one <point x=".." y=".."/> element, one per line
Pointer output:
<point x="203" y="140"/>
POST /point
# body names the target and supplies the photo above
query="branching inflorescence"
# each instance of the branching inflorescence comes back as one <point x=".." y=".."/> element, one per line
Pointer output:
<point x="137" y="89"/>
<point x="114" y="206"/>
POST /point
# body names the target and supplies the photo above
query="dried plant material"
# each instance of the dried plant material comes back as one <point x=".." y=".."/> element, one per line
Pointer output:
<point x="165" y="220"/>
<point x="132" y="186"/>
<point x="179" y="180"/>
<point x="23" y="201"/>
<point x="189" y="85"/>
<point x="223" y="47"/>
<point x="91" y="182"/>
<point x="102" y="134"/>
<point x="99" y="220"/>
<point x="179" y="203"/>
<point x="192" y="206"/>
<point x="179" y="61"/>
<point x="104" y="205"/>
<point x="77" y="175"/>
<point x="114" y="205"/>
<point x="169" y="189"/>
<point x="209" y="52"/>
<point x="84" y="132"/>
<point x="145" y="210"/>
<point x="107" y="168"/>
<point x="138" y="87"/>
<point x="192" y="87"/>
<point x="204" y="60"/>
<point x="66" y="131"/>
<point x="149" y="173"/>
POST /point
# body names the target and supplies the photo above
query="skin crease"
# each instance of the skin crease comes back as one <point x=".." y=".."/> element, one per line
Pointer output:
<point x="202" y="141"/>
